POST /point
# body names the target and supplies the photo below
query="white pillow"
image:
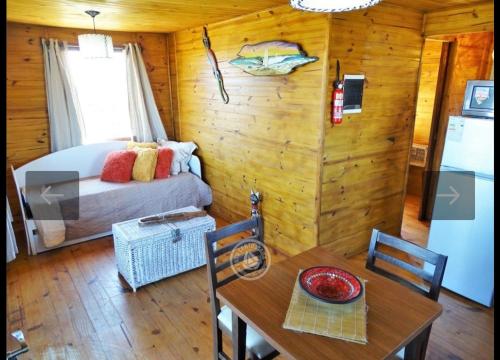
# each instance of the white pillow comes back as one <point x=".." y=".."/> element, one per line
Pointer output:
<point x="182" y="154"/>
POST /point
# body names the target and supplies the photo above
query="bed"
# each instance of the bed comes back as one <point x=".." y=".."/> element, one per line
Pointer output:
<point x="103" y="203"/>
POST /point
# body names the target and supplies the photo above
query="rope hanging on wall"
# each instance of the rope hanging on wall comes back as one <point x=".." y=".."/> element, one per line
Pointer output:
<point x="215" y="69"/>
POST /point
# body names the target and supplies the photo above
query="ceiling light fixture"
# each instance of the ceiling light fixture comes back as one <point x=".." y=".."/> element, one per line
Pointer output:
<point x="95" y="45"/>
<point x="332" y="5"/>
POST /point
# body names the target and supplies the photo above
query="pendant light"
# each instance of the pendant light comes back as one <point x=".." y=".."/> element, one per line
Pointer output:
<point x="95" y="45"/>
<point x="332" y="5"/>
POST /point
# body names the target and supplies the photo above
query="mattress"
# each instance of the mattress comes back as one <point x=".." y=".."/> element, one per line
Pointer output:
<point x="103" y="203"/>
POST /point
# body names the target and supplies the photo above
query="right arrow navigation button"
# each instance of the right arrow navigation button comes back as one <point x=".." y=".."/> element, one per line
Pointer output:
<point x="455" y="195"/>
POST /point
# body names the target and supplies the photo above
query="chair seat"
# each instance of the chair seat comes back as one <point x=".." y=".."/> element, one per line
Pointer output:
<point x="254" y="342"/>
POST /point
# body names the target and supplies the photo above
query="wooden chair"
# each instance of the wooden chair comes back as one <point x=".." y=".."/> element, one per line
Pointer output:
<point x="256" y="346"/>
<point x="434" y="280"/>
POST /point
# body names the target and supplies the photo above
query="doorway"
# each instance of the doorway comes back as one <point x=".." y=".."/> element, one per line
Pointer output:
<point x="433" y="68"/>
<point x="446" y="65"/>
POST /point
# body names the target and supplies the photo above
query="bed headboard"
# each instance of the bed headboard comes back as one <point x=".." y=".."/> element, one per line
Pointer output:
<point x="88" y="160"/>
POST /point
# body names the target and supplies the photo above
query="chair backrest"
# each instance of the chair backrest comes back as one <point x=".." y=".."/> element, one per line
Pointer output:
<point x="213" y="253"/>
<point x="439" y="261"/>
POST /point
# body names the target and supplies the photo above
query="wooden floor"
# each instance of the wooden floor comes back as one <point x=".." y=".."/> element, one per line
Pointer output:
<point x="71" y="304"/>
<point x="414" y="230"/>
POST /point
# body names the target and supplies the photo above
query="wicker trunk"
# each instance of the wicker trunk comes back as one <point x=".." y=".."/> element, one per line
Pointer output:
<point x="145" y="254"/>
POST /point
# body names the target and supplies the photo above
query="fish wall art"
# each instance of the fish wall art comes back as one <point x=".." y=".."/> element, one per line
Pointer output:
<point x="271" y="58"/>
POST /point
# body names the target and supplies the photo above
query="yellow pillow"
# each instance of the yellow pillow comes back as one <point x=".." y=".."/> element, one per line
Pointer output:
<point x="145" y="164"/>
<point x="149" y="145"/>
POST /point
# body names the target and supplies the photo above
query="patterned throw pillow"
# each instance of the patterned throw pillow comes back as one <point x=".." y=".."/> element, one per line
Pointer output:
<point x="145" y="164"/>
<point x="118" y="166"/>
<point x="165" y="156"/>
<point x="133" y="144"/>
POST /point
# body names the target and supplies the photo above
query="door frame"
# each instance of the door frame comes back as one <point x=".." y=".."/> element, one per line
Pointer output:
<point x="439" y="123"/>
<point x="433" y="161"/>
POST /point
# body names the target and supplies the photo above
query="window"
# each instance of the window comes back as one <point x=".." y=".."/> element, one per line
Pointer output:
<point x="101" y="85"/>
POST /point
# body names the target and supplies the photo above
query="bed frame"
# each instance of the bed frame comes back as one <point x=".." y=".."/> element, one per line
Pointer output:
<point x="88" y="160"/>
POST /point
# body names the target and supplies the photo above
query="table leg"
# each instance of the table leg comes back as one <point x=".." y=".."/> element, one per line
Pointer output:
<point x="239" y="335"/>
<point x="417" y="348"/>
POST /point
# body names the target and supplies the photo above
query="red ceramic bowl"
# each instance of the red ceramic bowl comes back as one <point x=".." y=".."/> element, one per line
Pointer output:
<point x="331" y="284"/>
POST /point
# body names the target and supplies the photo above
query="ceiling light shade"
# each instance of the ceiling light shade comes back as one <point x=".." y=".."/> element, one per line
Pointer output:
<point x="95" y="45"/>
<point x="332" y="5"/>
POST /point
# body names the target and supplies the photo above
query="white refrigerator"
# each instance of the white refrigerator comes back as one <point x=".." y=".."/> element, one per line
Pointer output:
<point x="468" y="243"/>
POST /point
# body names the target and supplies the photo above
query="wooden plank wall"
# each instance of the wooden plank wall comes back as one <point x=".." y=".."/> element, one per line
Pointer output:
<point x="428" y="81"/>
<point x="27" y="119"/>
<point x="471" y="62"/>
<point x="431" y="60"/>
<point x="461" y="19"/>
<point x="172" y="67"/>
<point x="366" y="157"/>
<point x="268" y="137"/>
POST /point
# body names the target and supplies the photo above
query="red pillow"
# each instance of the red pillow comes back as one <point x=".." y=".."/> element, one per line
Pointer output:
<point x="164" y="162"/>
<point x="118" y="166"/>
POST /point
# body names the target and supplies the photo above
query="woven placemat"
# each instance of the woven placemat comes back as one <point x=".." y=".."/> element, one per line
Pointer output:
<point x="340" y="321"/>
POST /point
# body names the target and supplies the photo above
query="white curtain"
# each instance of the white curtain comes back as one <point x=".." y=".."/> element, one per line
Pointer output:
<point x="65" y="117"/>
<point x="11" y="237"/>
<point x="144" y="116"/>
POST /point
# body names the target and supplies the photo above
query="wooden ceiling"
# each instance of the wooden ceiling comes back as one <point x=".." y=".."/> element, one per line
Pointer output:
<point x="159" y="15"/>
<point x="431" y="5"/>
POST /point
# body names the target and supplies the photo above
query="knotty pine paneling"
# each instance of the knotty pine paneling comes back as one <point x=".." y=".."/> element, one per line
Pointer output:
<point x="430" y="5"/>
<point x="269" y="136"/>
<point x="470" y="63"/>
<point x="476" y="17"/>
<point x="365" y="159"/>
<point x="429" y="73"/>
<point x="172" y="67"/>
<point x="27" y="119"/>
<point x="132" y="15"/>
<point x="165" y="15"/>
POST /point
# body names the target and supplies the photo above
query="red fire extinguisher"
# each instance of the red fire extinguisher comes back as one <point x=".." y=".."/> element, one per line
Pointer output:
<point x="337" y="99"/>
<point x="337" y="104"/>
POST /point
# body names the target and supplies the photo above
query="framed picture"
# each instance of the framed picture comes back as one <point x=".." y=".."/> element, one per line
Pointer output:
<point x="271" y="58"/>
<point x="482" y="97"/>
<point x="479" y="99"/>
<point x="353" y="93"/>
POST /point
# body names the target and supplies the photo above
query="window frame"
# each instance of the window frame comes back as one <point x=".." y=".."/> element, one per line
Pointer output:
<point x="116" y="49"/>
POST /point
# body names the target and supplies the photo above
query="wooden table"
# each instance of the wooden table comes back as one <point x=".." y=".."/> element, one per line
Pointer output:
<point x="397" y="316"/>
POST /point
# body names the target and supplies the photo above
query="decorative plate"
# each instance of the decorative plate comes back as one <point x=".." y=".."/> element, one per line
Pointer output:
<point x="330" y="284"/>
